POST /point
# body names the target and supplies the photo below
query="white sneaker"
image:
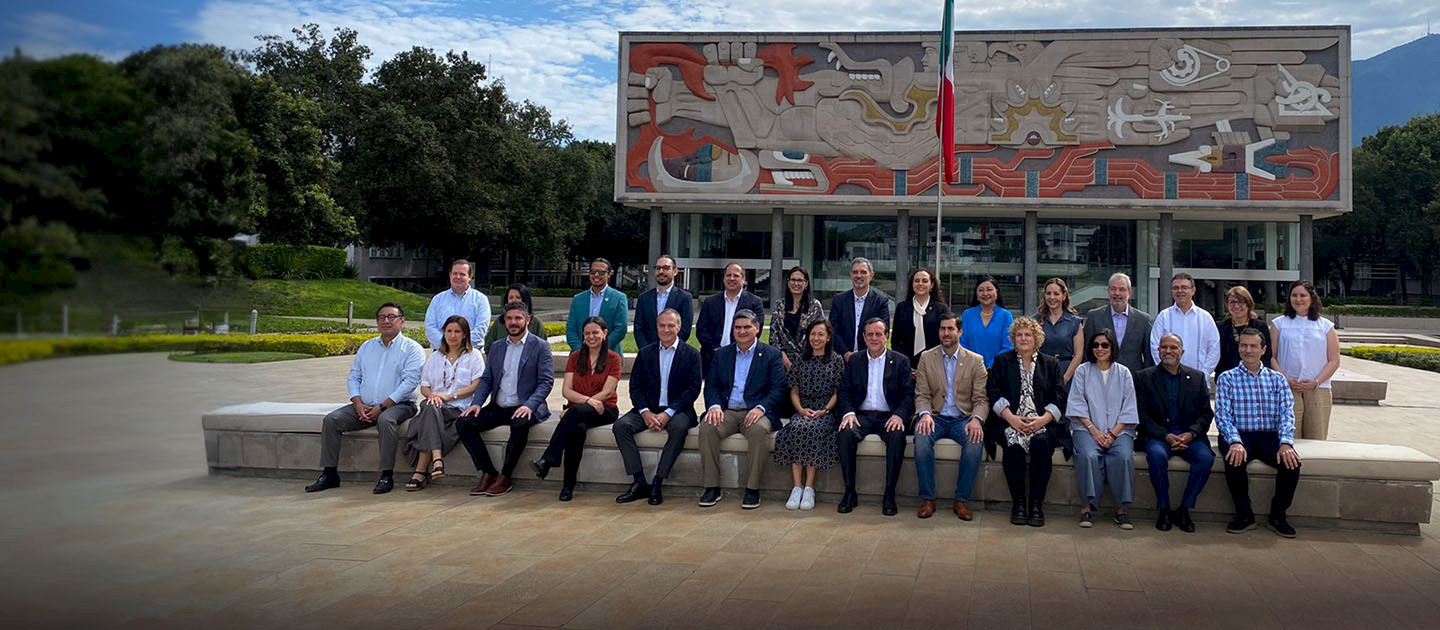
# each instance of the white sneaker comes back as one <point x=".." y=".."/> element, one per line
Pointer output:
<point x="807" y="500"/>
<point x="794" y="502"/>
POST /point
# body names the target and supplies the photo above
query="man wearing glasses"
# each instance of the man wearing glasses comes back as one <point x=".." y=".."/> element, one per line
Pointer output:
<point x="655" y="301"/>
<point x="1194" y="325"/>
<point x="602" y="301"/>
<point x="382" y="384"/>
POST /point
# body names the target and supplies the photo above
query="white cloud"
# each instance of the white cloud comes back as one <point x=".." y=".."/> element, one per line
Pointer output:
<point x="44" y="34"/>
<point x="562" y="54"/>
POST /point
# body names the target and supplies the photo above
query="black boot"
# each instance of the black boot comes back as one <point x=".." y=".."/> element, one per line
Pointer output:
<point x="1018" y="515"/>
<point x="1037" y="515"/>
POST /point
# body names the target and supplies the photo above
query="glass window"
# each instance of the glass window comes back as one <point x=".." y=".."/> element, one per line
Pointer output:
<point x="839" y="240"/>
<point x="1219" y="245"/>
<point x="970" y="249"/>
<point x="1085" y="255"/>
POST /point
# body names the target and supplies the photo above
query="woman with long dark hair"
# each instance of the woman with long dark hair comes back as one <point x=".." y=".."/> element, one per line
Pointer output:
<point x="1062" y="325"/>
<point x="917" y="319"/>
<point x="985" y="326"/>
<point x="1307" y="352"/>
<point x="591" y="377"/>
<point x="447" y="380"/>
<point x="792" y="316"/>
<point x="807" y="442"/>
<point x="516" y="293"/>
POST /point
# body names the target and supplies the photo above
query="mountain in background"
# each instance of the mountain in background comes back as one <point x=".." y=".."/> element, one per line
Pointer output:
<point x="1395" y="86"/>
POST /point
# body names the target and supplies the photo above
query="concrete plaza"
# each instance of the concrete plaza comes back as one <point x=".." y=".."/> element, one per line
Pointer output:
<point x="111" y="520"/>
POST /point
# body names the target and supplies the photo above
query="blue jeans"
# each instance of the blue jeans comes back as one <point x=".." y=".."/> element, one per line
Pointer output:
<point x="953" y="428"/>
<point x="1198" y="455"/>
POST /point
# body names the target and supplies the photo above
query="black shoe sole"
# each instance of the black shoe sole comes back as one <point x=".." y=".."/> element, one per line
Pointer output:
<point x="1280" y="533"/>
<point x="656" y="501"/>
<point x="1230" y="530"/>
<point x="704" y="503"/>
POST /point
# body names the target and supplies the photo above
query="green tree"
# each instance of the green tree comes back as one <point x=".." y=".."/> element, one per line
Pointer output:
<point x="298" y="206"/>
<point x="1396" y="174"/>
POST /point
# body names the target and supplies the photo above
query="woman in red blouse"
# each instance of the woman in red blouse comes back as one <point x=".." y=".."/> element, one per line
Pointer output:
<point x="591" y="377"/>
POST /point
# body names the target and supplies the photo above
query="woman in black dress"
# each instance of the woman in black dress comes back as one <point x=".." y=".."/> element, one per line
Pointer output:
<point x="808" y="440"/>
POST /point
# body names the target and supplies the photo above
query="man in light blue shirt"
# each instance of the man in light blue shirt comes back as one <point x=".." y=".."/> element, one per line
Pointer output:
<point x="663" y="386"/>
<point x="460" y="299"/>
<point x="382" y="384"/>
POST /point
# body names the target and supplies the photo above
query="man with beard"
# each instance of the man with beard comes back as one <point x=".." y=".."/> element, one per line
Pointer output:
<point x="518" y="374"/>
<point x="654" y="302"/>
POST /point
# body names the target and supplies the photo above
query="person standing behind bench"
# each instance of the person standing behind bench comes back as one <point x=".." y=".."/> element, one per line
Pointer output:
<point x="603" y="301"/>
<point x="876" y="397"/>
<point x="742" y="392"/>
<point x="517" y="292"/>
<point x="952" y="402"/>
<point x="1307" y="352"/>
<point x="858" y="305"/>
<point x="985" y="326"/>
<point x="1195" y="325"/>
<point x="718" y="312"/>
<point x="519" y="374"/>
<point x="592" y="374"/>
<point x="654" y="302"/>
<point x="460" y="299"/>
<point x="382" y="384"/>
<point x="1131" y="325"/>
<point x="663" y="386"/>
<point x="917" y="319"/>
<point x="1255" y="413"/>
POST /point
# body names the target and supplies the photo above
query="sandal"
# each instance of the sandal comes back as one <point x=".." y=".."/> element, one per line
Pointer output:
<point x="437" y="469"/>
<point x="417" y="481"/>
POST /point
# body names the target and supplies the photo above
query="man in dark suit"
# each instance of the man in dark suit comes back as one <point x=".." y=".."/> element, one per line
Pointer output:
<point x="1175" y="413"/>
<point x="717" y="313"/>
<point x="860" y="304"/>
<point x="745" y="385"/>
<point x="519" y="374"/>
<point x="663" y="385"/>
<point x="655" y="301"/>
<point x="876" y="396"/>
<point x="1131" y="325"/>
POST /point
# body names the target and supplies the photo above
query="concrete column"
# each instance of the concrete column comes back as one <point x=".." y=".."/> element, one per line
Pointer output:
<point x="1167" y="257"/>
<point x="657" y="221"/>
<point x="902" y="255"/>
<point x="1029" y="284"/>
<point x="777" y="254"/>
<point x="1307" y="247"/>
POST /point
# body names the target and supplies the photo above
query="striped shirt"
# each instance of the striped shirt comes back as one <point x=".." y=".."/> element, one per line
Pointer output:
<point x="1254" y="402"/>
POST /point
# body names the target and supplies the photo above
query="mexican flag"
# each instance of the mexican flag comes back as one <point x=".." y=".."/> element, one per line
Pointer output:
<point x="945" y="127"/>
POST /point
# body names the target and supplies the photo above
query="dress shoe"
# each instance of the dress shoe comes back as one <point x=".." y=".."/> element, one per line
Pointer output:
<point x="501" y="486"/>
<point x="962" y="511"/>
<point x="656" y="496"/>
<point x="751" y="500"/>
<point x="567" y="493"/>
<point x="1182" y="518"/>
<point x="807" y="500"/>
<point x="1281" y="526"/>
<point x="541" y="467"/>
<point x="385" y="484"/>
<point x="324" y="482"/>
<point x="927" y="508"/>
<point x="793" y="503"/>
<point x="711" y="497"/>
<point x="847" y="502"/>
<point x="1037" y="515"/>
<point x="486" y="480"/>
<point x="1241" y="524"/>
<point x="887" y="505"/>
<point x="1162" y="522"/>
<point x="1018" y="515"/>
<point x="636" y="491"/>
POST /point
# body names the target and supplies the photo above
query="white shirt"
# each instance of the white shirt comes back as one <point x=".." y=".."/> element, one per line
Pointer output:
<point x="919" y="320"/>
<point x="729" y="316"/>
<point x="1197" y="332"/>
<point x="1302" y="348"/>
<point x="875" y="384"/>
<point x="859" y="311"/>
<point x="444" y="377"/>
<point x="667" y="360"/>
<point x="472" y="305"/>
<point x="380" y="371"/>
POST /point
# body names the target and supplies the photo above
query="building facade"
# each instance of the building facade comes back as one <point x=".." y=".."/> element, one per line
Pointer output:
<point x="1079" y="153"/>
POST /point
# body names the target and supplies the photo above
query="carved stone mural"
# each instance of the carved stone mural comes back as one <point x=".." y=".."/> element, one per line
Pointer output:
<point x="1220" y="115"/>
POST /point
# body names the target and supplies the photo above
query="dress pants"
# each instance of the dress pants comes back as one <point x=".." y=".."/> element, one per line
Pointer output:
<point x="872" y="422"/>
<point x="345" y="419"/>
<point x="568" y="440"/>
<point x="1042" y="448"/>
<point x="1198" y="455"/>
<point x="1264" y="446"/>
<point x="970" y="455"/>
<point x="757" y="434"/>
<point x="1312" y="413"/>
<point x="676" y="430"/>
<point x="490" y="417"/>
<point x="433" y="429"/>
<point x="1095" y="467"/>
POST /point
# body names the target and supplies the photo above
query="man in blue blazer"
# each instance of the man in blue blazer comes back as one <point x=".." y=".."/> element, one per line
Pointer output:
<point x="860" y="304"/>
<point x="519" y="374"/>
<point x="663" y="385"/>
<point x="876" y="396"/>
<point x="744" y="388"/>
<point x="602" y="301"/>
<point x="717" y="313"/>
<point x="655" y="301"/>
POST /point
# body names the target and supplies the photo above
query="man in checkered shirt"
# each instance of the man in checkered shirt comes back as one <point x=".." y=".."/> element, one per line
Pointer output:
<point x="1254" y="411"/>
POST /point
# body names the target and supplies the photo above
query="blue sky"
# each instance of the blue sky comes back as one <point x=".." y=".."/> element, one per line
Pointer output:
<point x="562" y="54"/>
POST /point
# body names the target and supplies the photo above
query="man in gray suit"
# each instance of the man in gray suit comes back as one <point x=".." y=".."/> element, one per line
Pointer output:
<point x="520" y="373"/>
<point x="1131" y="325"/>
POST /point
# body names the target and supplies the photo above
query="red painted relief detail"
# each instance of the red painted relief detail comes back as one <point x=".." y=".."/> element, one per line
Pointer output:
<point x="782" y="58"/>
<point x="691" y="64"/>
<point x="676" y="145"/>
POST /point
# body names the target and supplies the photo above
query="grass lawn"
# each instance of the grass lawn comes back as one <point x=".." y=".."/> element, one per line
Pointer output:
<point x="237" y="357"/>
<point x="329" y="298"/>
<point x="284" y="324"/>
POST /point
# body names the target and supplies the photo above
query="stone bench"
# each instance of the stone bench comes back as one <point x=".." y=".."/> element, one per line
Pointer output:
<point x="1343" y="484"/>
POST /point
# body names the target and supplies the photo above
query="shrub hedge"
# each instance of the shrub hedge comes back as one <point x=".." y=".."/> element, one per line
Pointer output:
<point x="324" y="345"/>
<point x="1404" y="356"/>
<point x="294" y="262"/>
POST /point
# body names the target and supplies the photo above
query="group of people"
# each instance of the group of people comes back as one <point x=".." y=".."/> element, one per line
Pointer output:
<point x="1093" y="386"/>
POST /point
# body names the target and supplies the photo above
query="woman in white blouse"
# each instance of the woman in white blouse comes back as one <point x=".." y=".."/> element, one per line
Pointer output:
<point x="1307" y="352"/>
<point x="447" y="381"/>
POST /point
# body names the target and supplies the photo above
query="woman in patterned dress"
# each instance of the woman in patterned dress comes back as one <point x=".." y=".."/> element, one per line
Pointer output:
<point x="793" y="315"/>
<point x="1027" y="389"/>
<point x="808" y="441"/>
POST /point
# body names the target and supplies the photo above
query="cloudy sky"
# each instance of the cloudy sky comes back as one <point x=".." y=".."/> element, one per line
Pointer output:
<point x="562" y="54"/>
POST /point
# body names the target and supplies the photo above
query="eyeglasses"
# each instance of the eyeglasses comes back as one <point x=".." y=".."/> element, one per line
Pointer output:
<point x="797" y="281"/>
<point x="1101" y="345"/>
<point x="660" y="268"/>
<point x="387" y="318"/>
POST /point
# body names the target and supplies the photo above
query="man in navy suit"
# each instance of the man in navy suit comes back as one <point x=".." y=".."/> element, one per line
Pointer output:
<point x="860" y="304"/>
<point x="717" y="313"/>
<point x="663" y="385"/>
<point x="519" y="373"/>
<point x="655" y="301"/>
<point x="745" y="386"/>
<point x="876" y="396"/>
